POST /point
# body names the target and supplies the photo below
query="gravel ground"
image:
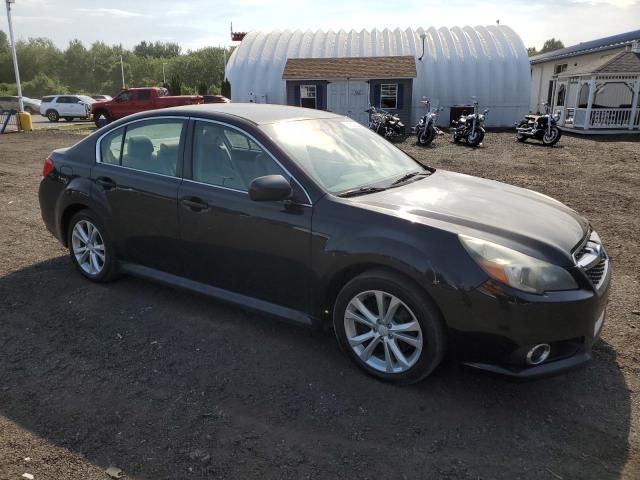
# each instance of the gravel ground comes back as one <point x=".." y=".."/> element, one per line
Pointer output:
<point x="168" y="385"/>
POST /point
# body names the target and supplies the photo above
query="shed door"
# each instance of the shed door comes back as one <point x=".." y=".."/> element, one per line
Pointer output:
<point x="350" y="98"/>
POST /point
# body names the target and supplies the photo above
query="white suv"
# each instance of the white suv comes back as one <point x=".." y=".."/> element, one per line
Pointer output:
<point x="66" y="106"/>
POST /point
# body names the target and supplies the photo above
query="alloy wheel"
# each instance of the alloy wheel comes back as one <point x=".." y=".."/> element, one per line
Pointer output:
<point x="549" y="137"/>
<point x="383" y="332"/>
<point x="88" y="247"/>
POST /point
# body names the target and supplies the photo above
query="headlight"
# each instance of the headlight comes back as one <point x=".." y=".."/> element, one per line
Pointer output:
<point x="517" y="269"/>
<point x="481" y="117"/>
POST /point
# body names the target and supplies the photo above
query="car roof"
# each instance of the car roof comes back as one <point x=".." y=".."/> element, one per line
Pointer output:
<point x="258" y="114"/>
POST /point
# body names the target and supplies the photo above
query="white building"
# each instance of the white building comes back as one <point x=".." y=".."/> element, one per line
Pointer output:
<point x="545" y="66"/>
<point x="345" y="72"/>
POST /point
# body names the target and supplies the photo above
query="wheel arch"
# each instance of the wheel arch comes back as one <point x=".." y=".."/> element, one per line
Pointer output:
<point x="67" y="214"/>
<point x="345" y="275"/>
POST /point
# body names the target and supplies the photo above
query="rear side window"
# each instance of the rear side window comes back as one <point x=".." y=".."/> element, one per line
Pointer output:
<point x="111" y="147"/>
<point x="149" y="146"/>
<point x="144" y="95"/>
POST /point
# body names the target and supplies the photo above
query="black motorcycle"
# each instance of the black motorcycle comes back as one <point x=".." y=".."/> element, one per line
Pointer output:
<point x="470" y="127"/>
<point x="426" y="129"/>
<point x="385" y="124"/>
<point x="541" y="127"/>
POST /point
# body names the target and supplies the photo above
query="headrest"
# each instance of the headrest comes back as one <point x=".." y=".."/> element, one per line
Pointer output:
<point x="139" y="146"/>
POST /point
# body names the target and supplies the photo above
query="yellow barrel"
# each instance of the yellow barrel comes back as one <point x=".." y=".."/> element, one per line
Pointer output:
<point x="24" y="121"/>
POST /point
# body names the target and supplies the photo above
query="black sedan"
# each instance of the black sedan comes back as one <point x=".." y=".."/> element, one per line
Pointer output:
<point x="310" y="217"/>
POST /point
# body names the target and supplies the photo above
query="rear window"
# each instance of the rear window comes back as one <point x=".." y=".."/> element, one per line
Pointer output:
<point x="47" y="99"/>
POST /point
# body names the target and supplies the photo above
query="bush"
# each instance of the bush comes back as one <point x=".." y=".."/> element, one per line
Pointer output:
<point x="42" y="85"/>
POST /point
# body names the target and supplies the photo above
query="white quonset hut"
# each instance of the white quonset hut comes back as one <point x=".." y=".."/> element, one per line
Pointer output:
<point x="345" y="72"/>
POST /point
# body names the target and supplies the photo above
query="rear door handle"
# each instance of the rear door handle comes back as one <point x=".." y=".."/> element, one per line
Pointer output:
<point x="106" y="183"/>
<point x="195" y="204"/>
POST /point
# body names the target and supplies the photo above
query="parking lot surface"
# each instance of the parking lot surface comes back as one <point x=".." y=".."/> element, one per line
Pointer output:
<point x="165" y="384"/>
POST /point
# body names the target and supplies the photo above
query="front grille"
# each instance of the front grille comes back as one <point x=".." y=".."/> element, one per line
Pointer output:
<point x="591" y="257"/>
<point x="596" y="273"/>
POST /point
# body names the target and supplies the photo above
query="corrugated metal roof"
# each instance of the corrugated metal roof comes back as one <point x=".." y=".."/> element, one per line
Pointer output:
<point x="621" y="62"/>
<point x="400" y="66"/>
<point x="588" y="47"/>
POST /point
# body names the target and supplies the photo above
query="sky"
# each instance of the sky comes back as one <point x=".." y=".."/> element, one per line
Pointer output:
<point x="199" y="23"/>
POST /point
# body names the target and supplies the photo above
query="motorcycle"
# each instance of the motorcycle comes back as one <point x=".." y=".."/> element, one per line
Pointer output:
<point x="385" y="124"/>
<point x="470" y="127"/>
<point x="426" y="129"/>
<point x="541" y="127"/>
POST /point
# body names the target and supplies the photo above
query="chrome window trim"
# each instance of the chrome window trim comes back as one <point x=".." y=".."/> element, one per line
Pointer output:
<point x="98" y="158"/>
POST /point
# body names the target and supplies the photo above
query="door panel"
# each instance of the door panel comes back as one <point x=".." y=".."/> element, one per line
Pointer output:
<point x="259" y="249"/>
<point x="138" y="178"/>
<point x="350" y="98"/>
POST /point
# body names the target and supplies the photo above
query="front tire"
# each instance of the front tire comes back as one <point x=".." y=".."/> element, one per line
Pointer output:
<point x="101" y="118"/>
<point x="551" y="138"/>
<point x="389" y="327"/>
<point x="426" y="136"/>
<point x="53" y="116"/>
<point x="475" y="138"/>
<point x="91" y="248"/>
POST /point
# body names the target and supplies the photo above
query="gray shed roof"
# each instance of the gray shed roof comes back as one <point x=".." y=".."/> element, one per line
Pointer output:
<point x="600" y="44"/>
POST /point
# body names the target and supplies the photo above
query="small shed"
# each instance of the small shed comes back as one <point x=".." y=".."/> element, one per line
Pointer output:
<point x="602" y="96"/>
<point x="348" y="85"/>
<point x="346" y="71"/>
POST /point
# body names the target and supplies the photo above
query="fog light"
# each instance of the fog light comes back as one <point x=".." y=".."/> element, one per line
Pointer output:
<point x="538" y="354"/>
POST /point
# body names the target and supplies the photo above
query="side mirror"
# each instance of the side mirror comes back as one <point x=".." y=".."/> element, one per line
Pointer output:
<point x="269" y="188"/>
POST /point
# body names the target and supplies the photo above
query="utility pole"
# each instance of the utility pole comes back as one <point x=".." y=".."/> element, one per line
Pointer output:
<point x="122" y="70"/>
<point x="15" y="57"/>
<point x="164" y="78"/>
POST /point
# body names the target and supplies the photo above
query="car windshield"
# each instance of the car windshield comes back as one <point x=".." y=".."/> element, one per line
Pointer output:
<point x="340" y="154"/>
<point x="85" y="98"/>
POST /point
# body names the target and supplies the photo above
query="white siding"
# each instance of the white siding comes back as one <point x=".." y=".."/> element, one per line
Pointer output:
<point x="488" y="62"/>
<point x="542" y="74"/>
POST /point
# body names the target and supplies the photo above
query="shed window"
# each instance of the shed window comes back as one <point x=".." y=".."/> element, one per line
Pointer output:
<point x="389" y="95"/>
<point x="559" y="68"/>
<point x="308" y="96"/>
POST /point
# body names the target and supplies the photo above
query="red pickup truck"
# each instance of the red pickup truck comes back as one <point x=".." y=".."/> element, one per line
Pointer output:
<point x="134" y="100"/>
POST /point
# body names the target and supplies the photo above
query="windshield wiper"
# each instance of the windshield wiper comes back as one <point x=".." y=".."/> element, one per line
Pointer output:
<point x="361" y="191"/>
<point x="409" y="176"/>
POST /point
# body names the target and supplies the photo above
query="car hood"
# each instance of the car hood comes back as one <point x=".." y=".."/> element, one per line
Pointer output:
<point x="515" y="217"/>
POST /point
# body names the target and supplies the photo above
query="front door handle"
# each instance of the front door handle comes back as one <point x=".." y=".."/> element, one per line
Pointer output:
<point x="195" y="204"/>
<point x="106" y="183"/>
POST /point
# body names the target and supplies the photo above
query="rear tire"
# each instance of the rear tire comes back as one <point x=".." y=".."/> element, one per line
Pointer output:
<point x="91" y="248"/>
<point x="52" y="116"/>
<point x="406" y="344"/>
<point x="520" y="137"/>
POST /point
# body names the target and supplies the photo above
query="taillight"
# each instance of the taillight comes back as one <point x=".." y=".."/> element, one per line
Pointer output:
<point x="47" y="168"/>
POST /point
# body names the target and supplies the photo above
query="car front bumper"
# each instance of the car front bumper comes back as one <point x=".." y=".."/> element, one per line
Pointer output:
<point x="497" y="327"/>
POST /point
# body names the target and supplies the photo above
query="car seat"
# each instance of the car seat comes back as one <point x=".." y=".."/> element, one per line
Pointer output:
<point x="139" y="154"/>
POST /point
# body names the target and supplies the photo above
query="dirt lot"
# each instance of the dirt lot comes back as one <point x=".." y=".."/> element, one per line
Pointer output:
<point x="168" y="385"/>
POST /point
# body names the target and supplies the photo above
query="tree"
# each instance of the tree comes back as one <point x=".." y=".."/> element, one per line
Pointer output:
<point x="42" y="85"/>
<point x="531" y="51"/>
<point x="551" y="45"/>
<point x="157" y="49"/>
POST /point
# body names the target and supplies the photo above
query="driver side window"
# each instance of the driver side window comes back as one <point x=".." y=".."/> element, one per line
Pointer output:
<point x="225" y="157"/>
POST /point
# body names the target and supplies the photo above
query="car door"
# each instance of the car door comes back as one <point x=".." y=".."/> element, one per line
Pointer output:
<point x="136" y="177"/>
<point x="122" y="104"/>
<point x="257" y="249"/>
<point x="76" y="107"/>
<point x="64" y="107"/>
